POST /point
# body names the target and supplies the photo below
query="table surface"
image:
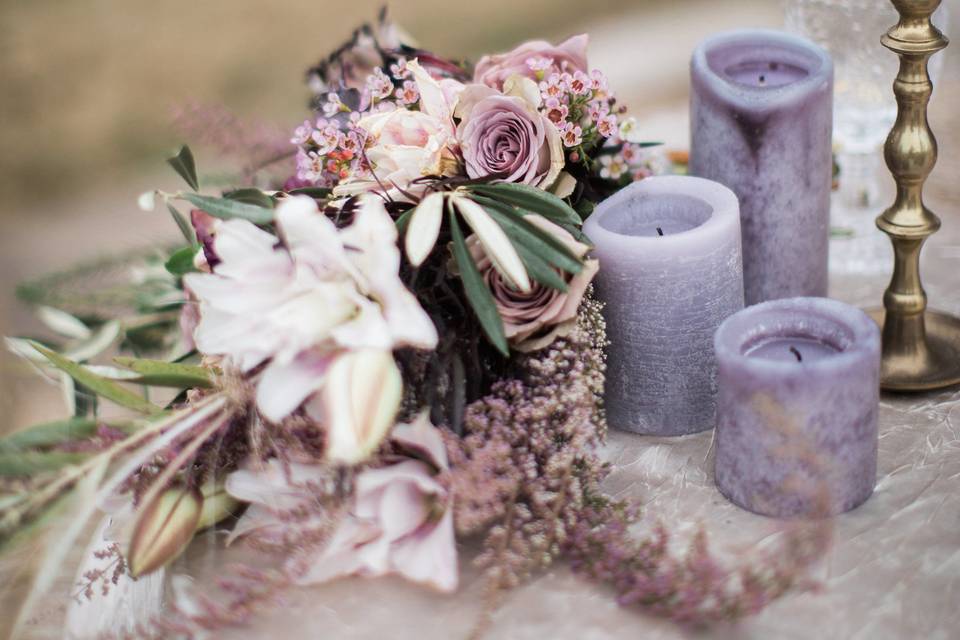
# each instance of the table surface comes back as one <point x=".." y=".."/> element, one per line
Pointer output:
<point x="892" y="572"/>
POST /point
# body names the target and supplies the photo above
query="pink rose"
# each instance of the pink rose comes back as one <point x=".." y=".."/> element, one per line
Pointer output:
<point x="532" y="320"/>
<point x="570" y="56"/>
<point x="505" y="134"/>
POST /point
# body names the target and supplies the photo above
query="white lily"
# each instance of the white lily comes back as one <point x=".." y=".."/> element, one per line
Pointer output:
<point x="495" y="243"/>
<point x="424" y="228"/>
<point x="359" y="403"/>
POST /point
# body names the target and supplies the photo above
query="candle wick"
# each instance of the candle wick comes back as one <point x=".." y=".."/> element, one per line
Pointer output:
<point x="795" y="352"/>
<point x="659" y="231"/>
<point x="763" y="78"/>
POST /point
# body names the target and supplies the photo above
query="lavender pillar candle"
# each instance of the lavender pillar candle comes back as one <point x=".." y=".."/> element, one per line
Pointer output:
<point x="670" y="272"/>
<point x="797" y="416"/>
<point x="761" y="121"/>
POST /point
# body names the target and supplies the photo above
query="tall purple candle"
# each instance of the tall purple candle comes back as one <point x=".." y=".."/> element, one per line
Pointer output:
<point x="797" y="415"/>
<point x="670" y="273"/>
<point x="761" y="122"/>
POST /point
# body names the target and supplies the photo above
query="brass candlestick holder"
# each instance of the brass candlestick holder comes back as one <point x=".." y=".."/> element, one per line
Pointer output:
<point x="921" y="349"/>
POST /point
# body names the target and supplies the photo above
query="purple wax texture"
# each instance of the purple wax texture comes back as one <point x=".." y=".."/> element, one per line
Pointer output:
<point x="664" y="297"/>
<point x="797" y="438"/>
<point x="761" y="124"/>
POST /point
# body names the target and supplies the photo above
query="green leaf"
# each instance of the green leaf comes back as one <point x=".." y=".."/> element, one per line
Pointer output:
<point x="185" y="166"/>
<point x="531" y="199"/>
<point x="476" y="290"/>
<point x="534" y="239"/>
<point x="99" y="385"/>
<point x="27" y="463"/>
<point x="167" y="374"/>
<point x="100" y="341"/>
<point x="404" y="220"/>
<point x="63" y="323"/>
<point x="226" y="208"/>
<point x="49" y="434"/>
<point x="317" y="193"/>
<point x="251" y="196"/>
<point x="181" y="262"/>
<point x="185" y="227"/>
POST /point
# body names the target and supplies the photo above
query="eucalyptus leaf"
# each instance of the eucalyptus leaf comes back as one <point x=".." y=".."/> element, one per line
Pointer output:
<point x="530" y="199"/>
<point x="185" y="166"/>
<point x="227" y="209"/>
<point x="101" y="340"/>
<point x="49" y="434"/>
<point x="167" y="374"/>
<point x="317" y="193"/>
<point x="23" y="464"/>
<point x="476" y="290"/>
<point x="63" y="323"/>
<point x="251" y="196"/>
<point x="24" y="348"/>
<point x="97" y="384"/>
<point x="181" y="262"/>
<point x="533" y="238"/>
<point x="185" y="227"/>
<point x="404" y="220"/>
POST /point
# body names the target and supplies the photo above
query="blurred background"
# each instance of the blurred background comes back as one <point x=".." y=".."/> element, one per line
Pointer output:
<point x="90" y="89"/>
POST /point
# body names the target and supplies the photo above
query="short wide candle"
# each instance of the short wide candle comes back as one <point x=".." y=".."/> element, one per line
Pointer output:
<point x="761" y="122"/>
<point x="797" y="415"/>
<point x="670" y="273"/>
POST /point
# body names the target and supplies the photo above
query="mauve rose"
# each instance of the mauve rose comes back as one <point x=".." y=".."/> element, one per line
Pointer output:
<point x="507" y="135"/>
<point x="570" y="55"/>
<point x="533" y="320"/>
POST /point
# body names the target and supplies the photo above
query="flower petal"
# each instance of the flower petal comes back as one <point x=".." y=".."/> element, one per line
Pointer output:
<point x="495" y="243"/>
<point x="424" y="228"/>
<point x="285" y="385"/>
<point x="429" y="556"/>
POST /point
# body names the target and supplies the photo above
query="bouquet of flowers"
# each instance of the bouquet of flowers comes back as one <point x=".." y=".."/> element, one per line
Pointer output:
<point x="394" y="349"/>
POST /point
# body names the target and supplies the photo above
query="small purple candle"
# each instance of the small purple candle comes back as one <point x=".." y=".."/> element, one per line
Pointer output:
<point x="670" y="273"/>
<point x="799" y="396"/>
<point x="761" y="122"/>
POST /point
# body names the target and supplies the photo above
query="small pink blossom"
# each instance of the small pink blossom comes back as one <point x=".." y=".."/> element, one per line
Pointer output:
<point x="598" y="81"/>
<point x="580" y="84"/>
<point x="571" y="134"/>
<point x="607" y="125"/>
<point x="379" y="85"/>
<point x="399" y="69"/>
<point x="302" y="133"/>
<point x="333" y="105"/>
<point x="310" y="166"/>
<point x="630" y="153"/>
<point x="554" y="86"/>
<point x="327" y="139"/>
<point x="408" y="94"/>
<point x="555" y="110"/>
<point x="597" y="109"/>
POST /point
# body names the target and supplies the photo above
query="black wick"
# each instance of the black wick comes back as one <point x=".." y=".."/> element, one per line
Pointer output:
<point x="659" y="231"/>
<point x="794" y="351"/>
<point x="763" y="78"/>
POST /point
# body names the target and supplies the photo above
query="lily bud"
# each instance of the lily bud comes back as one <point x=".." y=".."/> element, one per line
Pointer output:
<point x="423" y="228"/>
<point x="217" y="504"/>
<point x="163" y="529"/>
<point x="361" y="398"/>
